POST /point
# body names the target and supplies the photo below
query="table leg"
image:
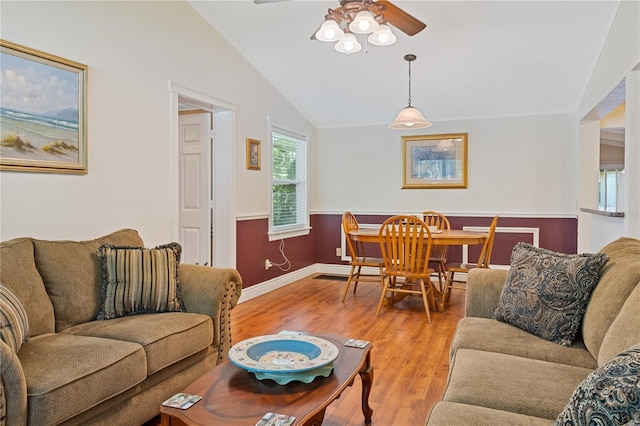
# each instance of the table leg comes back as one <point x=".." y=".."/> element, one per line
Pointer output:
<point x="439" y="296"/>
<point x="316" y="420"/>
<point x="366" y="375"/>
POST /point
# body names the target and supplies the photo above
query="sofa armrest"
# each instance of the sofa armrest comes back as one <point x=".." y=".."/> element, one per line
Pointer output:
<point x="484" y="287"/>
<point x="214" y="292"/>
<point x="13" y="387"/>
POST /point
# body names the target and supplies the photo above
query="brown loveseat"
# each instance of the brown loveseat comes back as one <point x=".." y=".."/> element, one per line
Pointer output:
<point x="502" y="375"/>
<point x="75" y="369"/>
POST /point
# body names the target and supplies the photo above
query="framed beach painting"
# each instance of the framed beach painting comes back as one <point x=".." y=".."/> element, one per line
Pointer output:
<point x="434" y="161"/>
<point x="43" y="112"/>
<point x="253" y="154"/>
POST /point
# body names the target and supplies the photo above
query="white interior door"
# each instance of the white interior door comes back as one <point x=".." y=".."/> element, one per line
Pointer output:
<point x="194" y="168"/>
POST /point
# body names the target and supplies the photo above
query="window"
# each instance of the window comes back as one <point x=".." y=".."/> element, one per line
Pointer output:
<point x="289" y="214"/>
<point x="609" y="188"/>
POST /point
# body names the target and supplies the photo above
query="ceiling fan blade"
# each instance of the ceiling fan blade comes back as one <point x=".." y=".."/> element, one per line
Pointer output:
<point x="400" y="19"/>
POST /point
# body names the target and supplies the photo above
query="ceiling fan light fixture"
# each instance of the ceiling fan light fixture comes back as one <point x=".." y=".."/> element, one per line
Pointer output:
<point x="348" y="44"/>
<point x="410" y="118"/>
<point x="363" y="23"/>
<point x="329" y="31"/>
<point x="382" y="37"/>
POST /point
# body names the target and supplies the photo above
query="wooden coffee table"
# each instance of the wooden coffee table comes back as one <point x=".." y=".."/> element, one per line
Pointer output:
<point x="233" y="396"/>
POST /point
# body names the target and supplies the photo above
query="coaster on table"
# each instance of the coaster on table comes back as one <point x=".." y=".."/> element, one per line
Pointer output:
<point x="275" y="419"/>
<point x="353" y="343"/>
<point x="182" y="400"/>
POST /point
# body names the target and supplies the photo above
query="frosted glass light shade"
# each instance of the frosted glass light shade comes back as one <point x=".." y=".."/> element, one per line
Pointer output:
<point x="382" y="37"/>
<point x="409" y="118"/>
<point x="363" y="23"/>
<point x="348" y="44"/>
<point x="329" y="31"/>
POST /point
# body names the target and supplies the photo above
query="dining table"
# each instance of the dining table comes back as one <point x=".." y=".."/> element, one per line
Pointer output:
<point x="445" y="237"/>
<point x="448" y="237"/>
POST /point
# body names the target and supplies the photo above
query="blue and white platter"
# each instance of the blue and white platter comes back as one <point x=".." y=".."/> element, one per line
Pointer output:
<point x="285" y="357"/>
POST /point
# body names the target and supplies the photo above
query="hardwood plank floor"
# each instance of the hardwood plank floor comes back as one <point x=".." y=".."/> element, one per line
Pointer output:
<point x="410" y="357"/>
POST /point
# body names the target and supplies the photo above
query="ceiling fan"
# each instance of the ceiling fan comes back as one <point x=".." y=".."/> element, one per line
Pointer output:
<point x="363" y="17"/>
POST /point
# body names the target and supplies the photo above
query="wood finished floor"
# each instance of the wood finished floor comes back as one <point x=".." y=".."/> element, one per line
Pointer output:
<point x="410" y="357"/>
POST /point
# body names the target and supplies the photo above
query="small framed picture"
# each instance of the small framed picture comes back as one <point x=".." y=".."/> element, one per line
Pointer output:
<point x="253" y="154"/>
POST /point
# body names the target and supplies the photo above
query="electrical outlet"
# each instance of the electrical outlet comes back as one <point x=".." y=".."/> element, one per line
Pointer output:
<point x="267" y="264"/>
<point x="338" y="251"/>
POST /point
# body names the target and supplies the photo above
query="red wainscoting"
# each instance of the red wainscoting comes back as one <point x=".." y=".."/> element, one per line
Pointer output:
<point x="253" y="245"/>
<point x="253" y="248"/>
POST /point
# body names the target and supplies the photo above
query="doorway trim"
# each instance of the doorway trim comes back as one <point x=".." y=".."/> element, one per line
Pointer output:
<point x="223" y="170"/>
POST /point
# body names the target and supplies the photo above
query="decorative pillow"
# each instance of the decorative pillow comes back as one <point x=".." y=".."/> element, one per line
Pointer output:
<point x="138" y="280"/>
<point x="610" y="395"/>
<point x="14" y="325"/>
<point x="546" y="293"/>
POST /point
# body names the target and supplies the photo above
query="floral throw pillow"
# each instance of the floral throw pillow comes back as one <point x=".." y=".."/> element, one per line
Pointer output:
<point x="610" y="395"/>
<point x="546" y="293"/>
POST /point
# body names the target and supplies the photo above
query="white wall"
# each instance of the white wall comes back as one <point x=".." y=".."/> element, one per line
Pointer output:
<point x="619" y="59"/>
<point x="517" y="165"/>
<point x="133" y="49"/>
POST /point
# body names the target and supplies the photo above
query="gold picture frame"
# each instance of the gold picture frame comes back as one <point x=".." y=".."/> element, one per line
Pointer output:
<point x="43" y="121"/>
<point x="253" y="154"/>
<point x="434" y="161"/>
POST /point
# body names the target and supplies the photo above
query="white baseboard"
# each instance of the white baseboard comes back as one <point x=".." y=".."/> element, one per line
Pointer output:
<point x="318" y="268"/>
<point x="286" y="279"/>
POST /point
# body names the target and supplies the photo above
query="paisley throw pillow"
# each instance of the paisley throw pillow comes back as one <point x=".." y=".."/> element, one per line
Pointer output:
<point x="610" y="395"/>
<point x="546" y="293"/>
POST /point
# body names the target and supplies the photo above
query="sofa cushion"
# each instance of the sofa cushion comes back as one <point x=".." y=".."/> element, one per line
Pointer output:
<point x="610" y="395"/>
<point x="454" y="414"/>
<point x="14" y="324"/>
<point x="511" y="383"/>
<point x="486" y="334"/>
<point x="618" y="279"/>
<point x="625" y="329"/>
<point x="72" y="275"/>
<point x="546" y="293"/>
<point x="166" y="338"/>
<point x="18" y="272"/>
<point x="69" y="374"/>
<point x="138" y="280"/>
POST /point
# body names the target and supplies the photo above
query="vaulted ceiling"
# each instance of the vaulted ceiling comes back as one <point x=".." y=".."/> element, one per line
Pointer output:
<point x="475" y="59"/>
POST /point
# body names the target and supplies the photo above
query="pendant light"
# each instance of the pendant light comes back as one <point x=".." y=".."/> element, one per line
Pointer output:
<point x="410" y="117"/>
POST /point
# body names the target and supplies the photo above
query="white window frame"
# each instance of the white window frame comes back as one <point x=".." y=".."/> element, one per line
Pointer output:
<point x="303" y="227"/>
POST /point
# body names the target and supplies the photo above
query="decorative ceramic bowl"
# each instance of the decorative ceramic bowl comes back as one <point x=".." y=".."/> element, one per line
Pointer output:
<point x="285" y="358"/>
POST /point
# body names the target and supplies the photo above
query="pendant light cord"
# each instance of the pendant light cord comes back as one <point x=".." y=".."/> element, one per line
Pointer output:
<point x="409" y="83"/>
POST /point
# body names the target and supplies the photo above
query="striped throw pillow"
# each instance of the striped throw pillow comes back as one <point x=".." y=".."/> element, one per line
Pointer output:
<point x="139" y="280"/>
<point x="14" y="325"/>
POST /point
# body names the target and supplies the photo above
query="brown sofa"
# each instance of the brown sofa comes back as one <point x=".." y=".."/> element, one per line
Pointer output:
<point x="77" y="370"/>
<point x="502" y="375"/>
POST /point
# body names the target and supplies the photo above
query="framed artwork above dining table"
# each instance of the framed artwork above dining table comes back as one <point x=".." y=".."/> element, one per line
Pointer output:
<point x="434" y="161"/>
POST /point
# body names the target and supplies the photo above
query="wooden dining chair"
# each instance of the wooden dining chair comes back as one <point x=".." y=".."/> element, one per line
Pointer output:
<point x="483" y="262"/>
<point x="438" y="257"/>
<point x="358" y="257"/>
<point x="405" y="243"/>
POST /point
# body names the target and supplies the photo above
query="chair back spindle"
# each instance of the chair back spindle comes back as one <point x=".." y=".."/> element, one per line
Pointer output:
<point x="405" y="244"/>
